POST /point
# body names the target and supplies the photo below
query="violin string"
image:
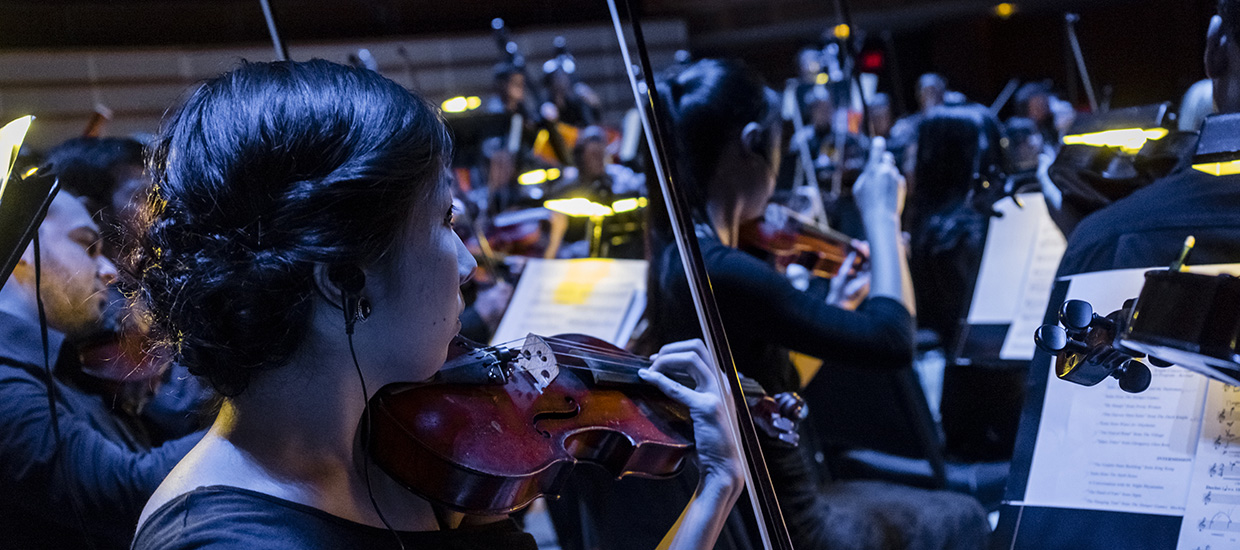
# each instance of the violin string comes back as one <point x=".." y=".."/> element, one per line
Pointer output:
<point x="604" y="359"/>
<point x="748" y="386"/>
<point x="594" y="352"/>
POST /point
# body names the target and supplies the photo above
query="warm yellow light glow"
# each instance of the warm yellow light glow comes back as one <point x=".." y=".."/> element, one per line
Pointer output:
<point x="30" y="172"/>
<point x="629" y="204"/>
<point x="1005" y="10"/>
<point x="1130" y="140"/>
<point x="11" y="137"/>
<point x="822" y="79"/>
<point x="578" y="207"/>
<point x="1229" y="168"/>
<point x="460" y="104"/>
<point x="842" y="31"/>
<point x="533" y="177"/>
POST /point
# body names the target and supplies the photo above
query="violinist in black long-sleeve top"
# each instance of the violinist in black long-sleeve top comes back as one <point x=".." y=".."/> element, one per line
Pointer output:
<point x="727" y="137"/>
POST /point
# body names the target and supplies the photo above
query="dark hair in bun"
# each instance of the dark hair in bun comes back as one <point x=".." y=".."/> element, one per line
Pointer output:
<point x="264" y="172"/>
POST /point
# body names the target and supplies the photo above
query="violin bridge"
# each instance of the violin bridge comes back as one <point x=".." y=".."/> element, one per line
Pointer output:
<point x="537" y="361"/>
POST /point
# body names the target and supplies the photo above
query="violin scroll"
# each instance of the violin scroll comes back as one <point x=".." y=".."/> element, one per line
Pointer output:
<point x="778" y="417"/>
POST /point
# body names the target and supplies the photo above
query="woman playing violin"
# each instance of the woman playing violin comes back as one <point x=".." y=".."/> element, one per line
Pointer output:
<point x="284" y="193"/>
<point x="727" y="133"/>
<point x="727" y="136"/>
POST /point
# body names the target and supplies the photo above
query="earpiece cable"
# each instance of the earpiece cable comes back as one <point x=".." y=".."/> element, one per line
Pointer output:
<point x="366" y="445"/>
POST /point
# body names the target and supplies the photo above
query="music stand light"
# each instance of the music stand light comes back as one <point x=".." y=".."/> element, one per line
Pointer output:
<point x="23" y="200"/>
<point x="1218" y="145"/>
<point x="1128" y="129"/>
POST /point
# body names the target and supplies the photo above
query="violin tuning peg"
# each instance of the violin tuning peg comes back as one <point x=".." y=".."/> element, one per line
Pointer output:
<point x="1133" y="375"/>
<point x="1076" y="314"/>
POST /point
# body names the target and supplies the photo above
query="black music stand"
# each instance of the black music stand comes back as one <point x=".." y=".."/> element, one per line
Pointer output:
<point x="23" y="205"/>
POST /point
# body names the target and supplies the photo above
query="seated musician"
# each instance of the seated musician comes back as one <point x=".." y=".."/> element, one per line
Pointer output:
<point x="75" y="476"/>
<point x="946" y="218"/>
<point x="1148" y="227"/>
<point x="109" y="175"/>
<point x="568" y="100"/>
<point x="931" y="89"/>
<point x="727" y="138"/>
<point x="270" y="182"/>
<point x="592" y="175"/>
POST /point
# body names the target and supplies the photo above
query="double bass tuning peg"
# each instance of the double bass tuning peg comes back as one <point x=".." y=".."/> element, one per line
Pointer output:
<point x="1133" y="376"/>
<point x="1053" y="339"/>
<point x="1079" y="315"/>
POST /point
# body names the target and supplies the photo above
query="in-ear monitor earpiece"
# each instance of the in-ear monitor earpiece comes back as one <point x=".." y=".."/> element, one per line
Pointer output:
<point x="350" y="280"/>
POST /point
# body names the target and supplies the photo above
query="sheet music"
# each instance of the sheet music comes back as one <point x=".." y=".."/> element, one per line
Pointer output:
<point x="1022" y="253"/>
<point x="603" y="298"/>
<point x="1047" y="247"/>
<point x="1100" y="448"/>
<point x="1008" y="242"/>
<point x="1212" y="514"/>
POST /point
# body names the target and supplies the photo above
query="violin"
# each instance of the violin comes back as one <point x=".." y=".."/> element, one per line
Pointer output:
<point x="518" y="232"/>
<point x="119" y="365"/>
<point x="497" y="427"/>
<point x="1189" y="319"/>
<point x="115" y="360"/>
<point x="784" y="237"/>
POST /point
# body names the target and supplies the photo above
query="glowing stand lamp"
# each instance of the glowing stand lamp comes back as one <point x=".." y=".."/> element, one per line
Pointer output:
<point x="596" y="212"/>
<point x="23" y="201"/>
<point x="1127" y="129"/>
<point x="1218" y="147"/>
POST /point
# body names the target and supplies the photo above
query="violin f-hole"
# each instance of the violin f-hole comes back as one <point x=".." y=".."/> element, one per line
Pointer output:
<point x="572" y="411"/>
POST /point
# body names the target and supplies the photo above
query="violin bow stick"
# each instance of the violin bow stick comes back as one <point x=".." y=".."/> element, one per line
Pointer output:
<point x="280" y="47"/>
<point x="1070" y="20"/>
<point x="773" y="531"/>
<point x="817" y="211"/>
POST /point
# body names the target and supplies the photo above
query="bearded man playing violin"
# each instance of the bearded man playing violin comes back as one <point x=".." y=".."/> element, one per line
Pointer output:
<point x="78" y="478"/>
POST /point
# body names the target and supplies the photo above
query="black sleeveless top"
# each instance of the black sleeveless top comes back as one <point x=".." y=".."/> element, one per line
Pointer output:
<point x="219" y="517"/>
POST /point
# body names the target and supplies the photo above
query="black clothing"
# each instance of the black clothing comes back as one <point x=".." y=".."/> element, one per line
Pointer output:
<point x="944" y="258"/>
<point x="222" y="517"/>
<point x="101" y="463"/>
<point x="1148" y="227"/>
<point x="764" y="316"/>
<point x="866" y="514"/>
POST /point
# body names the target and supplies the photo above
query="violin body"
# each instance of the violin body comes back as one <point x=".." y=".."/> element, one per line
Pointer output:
<point x="783" y="238"/>
<point x="495" y="436"/>
<point x="518" y="232"/>
<point x="116" y="361"/>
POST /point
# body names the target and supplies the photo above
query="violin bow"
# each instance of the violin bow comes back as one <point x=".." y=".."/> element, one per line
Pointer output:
<point x="771" y="526"/>
<point x="280" y="47"/>
<point x="1070" y="20"/>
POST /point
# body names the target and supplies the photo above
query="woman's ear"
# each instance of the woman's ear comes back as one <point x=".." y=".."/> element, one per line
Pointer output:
<point x="328" y="290"/>
<point x="754" y="139"/>
<point x="762" y="142"/>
